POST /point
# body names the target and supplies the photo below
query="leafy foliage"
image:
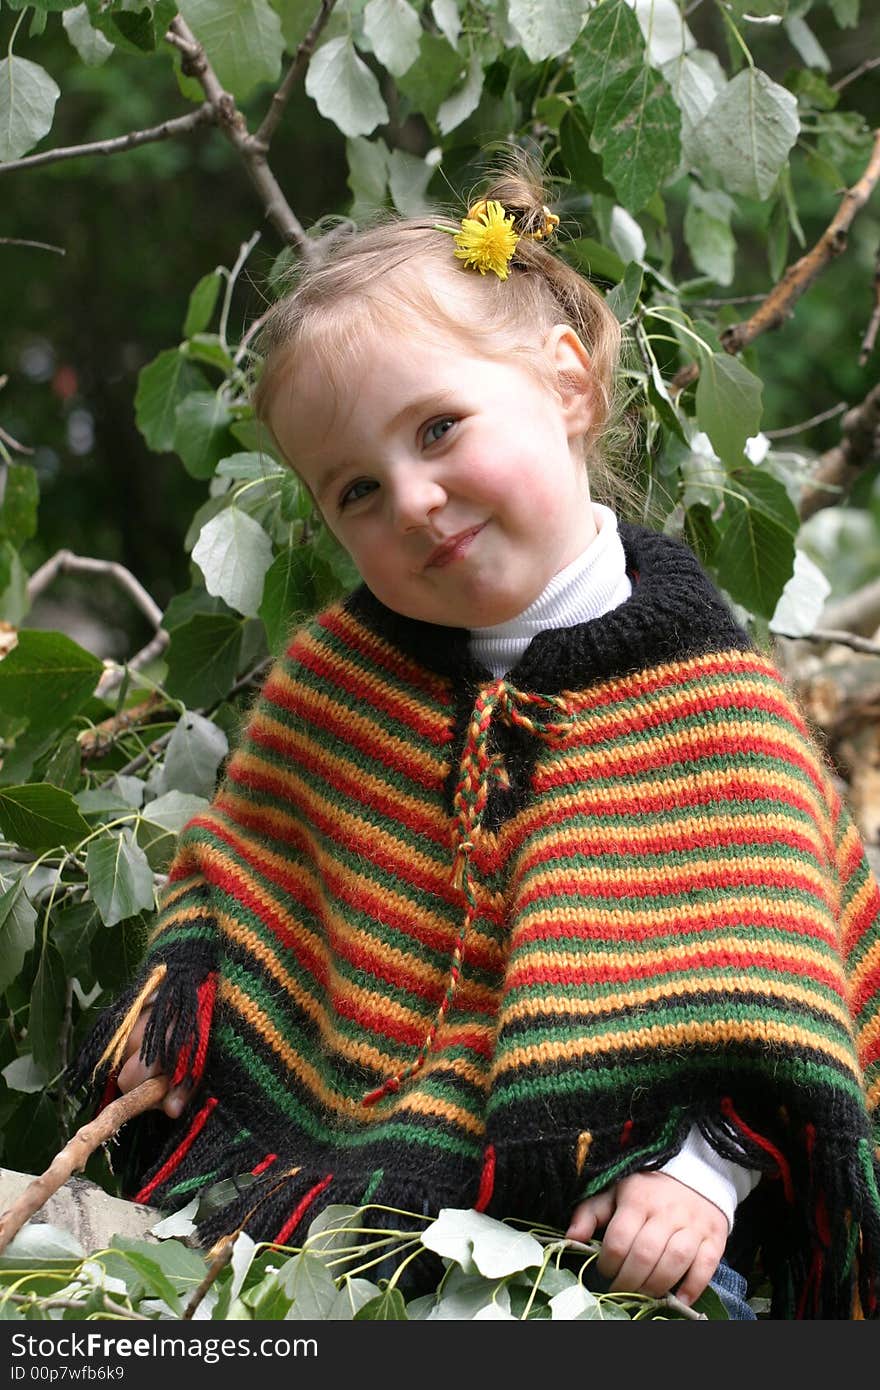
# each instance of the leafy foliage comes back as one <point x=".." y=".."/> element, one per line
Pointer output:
<point x="354" y="1265"/>
<point x="670" y="147"/>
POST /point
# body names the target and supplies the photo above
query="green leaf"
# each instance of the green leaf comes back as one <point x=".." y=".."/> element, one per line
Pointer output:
<point x="155" y="1280"/>
<point x="447" y="19"/>
<point x="572" y="1303"/>
<point x="31" y="1138"/>
<point x="91" y="45"/>
<point x="408" y="179"/>
<point x="14" y="598"/>
<point x="162" y="822"/>
<point x="637" y="130"/>
<point x="233" y="552"/>
<point x="209" y="348"/>
<point x="47" y="1007"/>
<point x="594" y="259"/>
<point x="286" y="593"/>
<point x="610" y="47"/>
<point x="48" y="678"/>
<point x="728" y="402"/>
<point x="367" y="175"/>
<point x="582" y="162"/>
<point x="242" y="39"/>
<point x="802" y="38"/>
<point x="120" y="878"/>
<point x="546" y="30"/>
<point x="39" y="816"/>
<point x="623" y="298"/>
<point x="27" y="106"/>
<point x="25" y="1075"/>
<point x="72" y="933"/>
<point x="117" y="952"/>
<point x="21" y="496"/>
<point x="744" y="139"/>
<point x="17" y="920"/>
<point x="344" y="89"/>
<point x="802" y="600"/>
<point x="195" y="751"/>
<point x="162" y="385"/>
<point x="707" y="233"/>
<point x="203" y="658"/>
<point x="388" y="1307"/>
<point x="755" y="556"/>
<point x="846" y="12"/>
<point x="309" y="1283"/>
<point x="250" y="467"/>
<point x="464" y="100"/>
<point x="202" y="302"/>
<point x="201" y="423"/>
<point x="437" y="72"/>
<point x="394" y="29"/>
<point x="465" y="1297"/>
<point x="479" y="1242"/>
<point x="353" y="1295"/>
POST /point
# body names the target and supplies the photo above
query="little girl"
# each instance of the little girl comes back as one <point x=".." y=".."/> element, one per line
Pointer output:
<point x="526" y="889"/>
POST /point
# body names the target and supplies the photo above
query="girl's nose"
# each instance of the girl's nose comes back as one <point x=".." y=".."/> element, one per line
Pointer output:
<point x="414" y="498"/>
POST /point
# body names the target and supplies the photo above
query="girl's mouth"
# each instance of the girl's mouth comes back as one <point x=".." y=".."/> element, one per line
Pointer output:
<point x="452" y="548"/>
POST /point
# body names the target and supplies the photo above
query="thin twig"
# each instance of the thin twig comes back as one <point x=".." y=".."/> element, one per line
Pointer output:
<point x="807" y="424"/>
<point x="13" y="443"/>
<point x="874" y="322"/>
<point x="780" y="302"/>
<point x="294" y="73"/>
<point x="867" y="66"/>
<point x="76" y="1153"/>
<point x="178" y="125"/>
<point x="835" y="635"/>
<point x="36" y="245"/>
<point x="218" y="1264"/>
<point x="110" y="1306"/>
<point x="65" y="562"/>
<point x="837" y="469"/>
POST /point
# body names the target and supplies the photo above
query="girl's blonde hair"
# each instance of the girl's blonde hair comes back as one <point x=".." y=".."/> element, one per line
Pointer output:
<point x="360" y="283"/>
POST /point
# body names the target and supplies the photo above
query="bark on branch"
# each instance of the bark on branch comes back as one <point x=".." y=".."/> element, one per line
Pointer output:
<point x="838" y="468"/>
<point x="76" y="1153"/>
<point x="779" y="304"/>
<point x="179" y="125"/>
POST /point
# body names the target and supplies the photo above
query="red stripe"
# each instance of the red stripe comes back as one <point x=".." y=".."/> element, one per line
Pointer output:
<point x="487" y="1180"/>
<point x="783" y="1170"/>
<point x="642" y="929"/>
<point x="180" y="1152"/>
<point x="293" y="1221"/>
<point x="575" y="839"/>
<point x="263" y="1165"/>
<point x="696" y="959"/>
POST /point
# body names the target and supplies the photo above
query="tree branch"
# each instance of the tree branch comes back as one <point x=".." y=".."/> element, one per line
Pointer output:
<point x="233" y="125"/>
<point x="294" y="73"/>
<point x="76" y="1153"/>
<point x="178" y="125"/>
<point x="826" y="635"/>
<point x="870" y="337"/>
<point x="65" y="562"/>
<point x="838" y="468"/>
<point x="779" y="304"/>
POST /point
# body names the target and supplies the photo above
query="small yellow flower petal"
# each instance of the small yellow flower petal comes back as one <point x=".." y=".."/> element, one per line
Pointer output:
<point x="487" y="240"/>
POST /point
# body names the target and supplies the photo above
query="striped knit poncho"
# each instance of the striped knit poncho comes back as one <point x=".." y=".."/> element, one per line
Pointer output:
<point x="446" y="940"/>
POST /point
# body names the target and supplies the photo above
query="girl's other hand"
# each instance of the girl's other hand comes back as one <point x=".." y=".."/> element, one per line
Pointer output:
<point x="133" y="1071"/>
<point x="658" y="1232"/>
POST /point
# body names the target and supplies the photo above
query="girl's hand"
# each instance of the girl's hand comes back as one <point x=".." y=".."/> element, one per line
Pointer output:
<point x="133" y="1071"/>
<point x="657" y="1232"/>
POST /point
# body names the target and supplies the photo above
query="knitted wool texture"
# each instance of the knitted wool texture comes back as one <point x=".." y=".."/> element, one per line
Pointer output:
<point x="443" y="940"/>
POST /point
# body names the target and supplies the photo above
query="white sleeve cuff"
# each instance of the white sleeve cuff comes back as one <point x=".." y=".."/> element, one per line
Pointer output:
<point x="701" y="1168"/>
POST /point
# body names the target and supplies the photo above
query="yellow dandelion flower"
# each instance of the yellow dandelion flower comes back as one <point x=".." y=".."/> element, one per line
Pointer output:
<point x="487" y="240"/>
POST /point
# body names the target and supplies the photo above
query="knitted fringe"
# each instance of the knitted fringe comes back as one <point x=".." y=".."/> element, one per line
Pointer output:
<point x="182" y="989"/>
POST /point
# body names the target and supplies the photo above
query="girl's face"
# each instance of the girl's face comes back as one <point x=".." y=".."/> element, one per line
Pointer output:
<point x="456" y="482"/>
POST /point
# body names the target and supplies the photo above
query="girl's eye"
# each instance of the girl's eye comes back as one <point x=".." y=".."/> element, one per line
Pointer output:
<point x="437" y="429"/>
<point x="362" y="488"/>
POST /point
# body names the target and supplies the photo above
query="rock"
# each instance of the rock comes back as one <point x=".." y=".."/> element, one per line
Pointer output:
<point x="84" y="1209"/>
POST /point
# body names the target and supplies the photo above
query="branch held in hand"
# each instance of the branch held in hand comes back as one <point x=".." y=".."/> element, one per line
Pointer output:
<point x="77" y="1152"/>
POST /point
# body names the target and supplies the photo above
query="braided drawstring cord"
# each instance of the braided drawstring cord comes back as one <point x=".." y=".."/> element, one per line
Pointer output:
<point x="539" y="715"/>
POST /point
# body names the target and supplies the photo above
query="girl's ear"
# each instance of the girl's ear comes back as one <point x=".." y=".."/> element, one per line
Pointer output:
<point x="574" y="377"/>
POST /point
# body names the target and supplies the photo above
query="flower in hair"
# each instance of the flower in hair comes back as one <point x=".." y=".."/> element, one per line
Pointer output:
<point x="487" y="240"/>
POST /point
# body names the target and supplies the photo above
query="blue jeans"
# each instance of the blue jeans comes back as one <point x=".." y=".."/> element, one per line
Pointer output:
<point x="731" y="1289"/>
